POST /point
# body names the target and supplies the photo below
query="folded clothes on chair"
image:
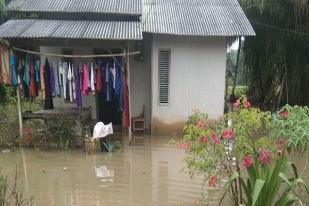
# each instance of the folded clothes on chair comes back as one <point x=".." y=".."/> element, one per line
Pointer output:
<point x="100" y="130"/>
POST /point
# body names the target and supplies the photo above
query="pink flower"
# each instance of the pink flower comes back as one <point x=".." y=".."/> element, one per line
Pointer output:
<point x="236" y="104"/>
<point x="183" y="145"/>
<point x="247" y="161"/>
<point x="200" y="124"/>
<point x="228" y="134"/>
<point x="284" y="114"/>
<point x="204" y="139"/>
<point x="247" y="104"/>
<point x="215" y="138"/>
<point x="265" y="157"/>
<point x="212" y="181"/>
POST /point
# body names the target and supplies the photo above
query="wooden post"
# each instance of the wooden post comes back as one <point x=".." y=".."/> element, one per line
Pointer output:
<point x="20" y="120"/>
<point x="129" y="87"/>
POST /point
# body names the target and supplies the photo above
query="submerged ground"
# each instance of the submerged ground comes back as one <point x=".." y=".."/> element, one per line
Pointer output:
<point x="147" y="173"/>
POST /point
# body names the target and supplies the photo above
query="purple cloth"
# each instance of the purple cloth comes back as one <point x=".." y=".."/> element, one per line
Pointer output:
<point x="52" y="81"/>
<point x="77" y="87"/>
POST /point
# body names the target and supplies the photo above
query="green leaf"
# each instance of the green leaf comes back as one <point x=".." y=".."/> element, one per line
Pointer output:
<point x="229" y="183"/>
<point x="257" y="190"/>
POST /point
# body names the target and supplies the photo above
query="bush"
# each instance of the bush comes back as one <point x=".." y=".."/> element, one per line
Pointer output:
<point x="241" y="140"/>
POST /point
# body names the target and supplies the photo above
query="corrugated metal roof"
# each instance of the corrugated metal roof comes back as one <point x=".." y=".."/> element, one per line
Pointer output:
<point x="195" y="18"/>
<point x="132" y="7"/>
<point x="71" y="29"/>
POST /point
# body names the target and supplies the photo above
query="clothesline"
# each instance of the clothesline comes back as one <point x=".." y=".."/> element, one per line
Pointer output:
<point x="76" y="56"/>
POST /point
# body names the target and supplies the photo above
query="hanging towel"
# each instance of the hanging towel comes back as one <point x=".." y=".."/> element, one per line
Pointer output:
<point x="77" y="89"/>
<point x="5" y="70"/>
<point x="99" y="85"/>
<point x="70" y="83"/>
<point x="48" y="96"/>
<point x="92" y="80"/>
<point x="26" y="77"/>
<point x="33" y="92"/>
<point x="13" y="69"/>
<point x="85" y="80"/>
<point x="42" y="77"/>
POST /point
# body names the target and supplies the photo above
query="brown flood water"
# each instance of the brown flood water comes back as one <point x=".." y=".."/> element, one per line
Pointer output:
<point x="146" y="174"/>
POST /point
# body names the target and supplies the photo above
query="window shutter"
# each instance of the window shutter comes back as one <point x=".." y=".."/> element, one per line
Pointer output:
<point x="164" y="64"/>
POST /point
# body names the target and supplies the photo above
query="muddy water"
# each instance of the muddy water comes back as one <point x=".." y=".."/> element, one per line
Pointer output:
<point x="147" y="173"/>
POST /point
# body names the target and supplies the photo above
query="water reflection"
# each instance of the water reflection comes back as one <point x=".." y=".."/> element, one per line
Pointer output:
<point x="145" y="174"/>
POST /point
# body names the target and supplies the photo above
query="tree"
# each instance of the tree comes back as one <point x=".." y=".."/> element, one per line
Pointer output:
<point x="277" y="58"/>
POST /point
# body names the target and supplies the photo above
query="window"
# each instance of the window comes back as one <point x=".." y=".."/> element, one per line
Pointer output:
<point x="164" y="69"/>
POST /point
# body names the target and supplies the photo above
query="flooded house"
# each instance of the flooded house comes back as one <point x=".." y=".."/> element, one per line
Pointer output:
<point x="172" y="53"/>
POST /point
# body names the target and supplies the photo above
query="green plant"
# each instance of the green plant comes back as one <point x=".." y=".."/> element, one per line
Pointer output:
<point x="268" y="183"/>
<point x="292" y="124"/>
<point x="217" y="152"/>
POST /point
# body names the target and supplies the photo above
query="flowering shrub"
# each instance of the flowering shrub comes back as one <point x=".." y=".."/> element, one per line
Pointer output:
<point x="240" y="141"/>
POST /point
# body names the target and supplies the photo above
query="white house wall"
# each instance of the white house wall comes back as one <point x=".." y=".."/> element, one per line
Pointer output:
<point x="196" y="81"/>
<point x="140" y="80"/>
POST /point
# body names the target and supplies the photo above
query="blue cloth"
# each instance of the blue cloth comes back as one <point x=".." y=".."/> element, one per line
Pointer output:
<point x="26" y="77"/>
<point x="13" y="69"/>
<point x="37" y="71"/>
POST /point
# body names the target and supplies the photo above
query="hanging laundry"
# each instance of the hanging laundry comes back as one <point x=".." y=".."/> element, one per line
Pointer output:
<point x="70" y="83"/>
<point x="126" y="100"/>
<point x="52" y="80"/>
<point x="92" y="80"/>
<point x="33" y="92"/>
<point x="37" y="71"/>
<point x="5" y="70"/>
<point x="64" y="79"/>
<point x="77" y="87"/>
<point x="99" y="85"/>
<point x="119" y="86"/>
<point x="89" y="75"/>
<point x="73" y="84"/>
<point x="107" y="83"/>
<point x="42" y="77"/>
<point x="26" y="77"/>
<point x="60" y="73"/>
<point x="13" y="69"/>
<point x="48" y="96"/>
<point x="85" y="80"/>
<point x="56" y="76"/>
<point x="113" y="72"/>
